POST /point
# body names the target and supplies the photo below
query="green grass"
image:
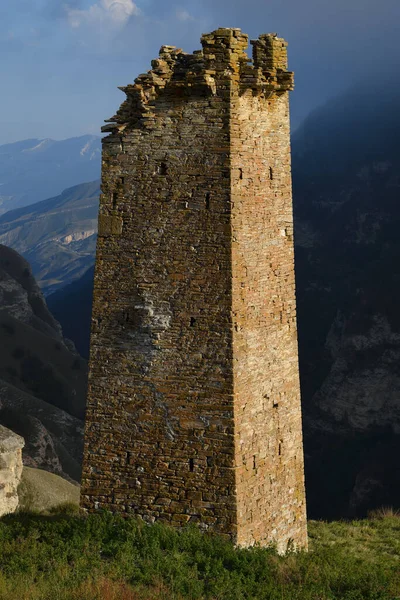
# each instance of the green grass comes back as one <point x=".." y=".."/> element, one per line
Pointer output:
<point x="68" y="556"/>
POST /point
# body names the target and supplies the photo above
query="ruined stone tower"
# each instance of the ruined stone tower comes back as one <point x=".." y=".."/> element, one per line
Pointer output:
<point x="194" y="403"/>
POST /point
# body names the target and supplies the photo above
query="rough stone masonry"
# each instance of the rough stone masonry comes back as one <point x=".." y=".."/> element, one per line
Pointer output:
<point x="193" y="411"/>
<point x="11" y="446"/>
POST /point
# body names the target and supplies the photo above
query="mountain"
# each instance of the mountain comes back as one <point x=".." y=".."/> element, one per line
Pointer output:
<point x="33" y="170"/>
<point x="72" y="307"/>
<point x="57" y="236"/>
<point x="42" y="377"/>
<point x="346" y="175"/>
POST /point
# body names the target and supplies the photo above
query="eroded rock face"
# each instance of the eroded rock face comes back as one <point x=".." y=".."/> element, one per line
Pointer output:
<point x="346" y="165"/>
<point x="11" y="446"/>
<point x="42" y="377"/>
<point x="362" y="388"/>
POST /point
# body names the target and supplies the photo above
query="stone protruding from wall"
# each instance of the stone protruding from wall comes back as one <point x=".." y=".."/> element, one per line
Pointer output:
<point x="193" y="412"/>
<point x="11" y="446"/>
<point x="270" y="52"/>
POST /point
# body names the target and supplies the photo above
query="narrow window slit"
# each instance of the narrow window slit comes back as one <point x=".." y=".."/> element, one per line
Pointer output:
<point x="192" y="321"/>
<point x="254" y="462"/>
<point x="114" y="197"/>
<point x="271" y="173"/>
<point x="208" y="196"/>
<point x="162" y="169"/>
<point x="191" y="464"/>
<point x="240" y="173"/>
<point x="122" y="180"/>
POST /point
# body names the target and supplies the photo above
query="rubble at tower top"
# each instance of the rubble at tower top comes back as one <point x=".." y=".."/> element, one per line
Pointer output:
<point x="221" y="65"/>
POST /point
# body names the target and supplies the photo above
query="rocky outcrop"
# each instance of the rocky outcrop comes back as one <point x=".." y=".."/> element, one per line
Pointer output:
<point x="362" y="387"/>
<point x="10" y="469"/>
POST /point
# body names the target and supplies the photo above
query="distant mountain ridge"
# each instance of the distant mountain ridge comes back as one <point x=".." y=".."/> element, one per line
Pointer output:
<point x="57" y="236"/>
<point x="33" y="170"/>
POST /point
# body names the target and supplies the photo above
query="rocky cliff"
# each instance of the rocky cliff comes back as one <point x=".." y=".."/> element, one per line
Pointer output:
<point x="346" y="173"/>
<point x="42" y="377"/>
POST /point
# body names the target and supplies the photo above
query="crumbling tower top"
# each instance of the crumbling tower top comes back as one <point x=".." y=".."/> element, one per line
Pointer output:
<point x="222" y="61"/>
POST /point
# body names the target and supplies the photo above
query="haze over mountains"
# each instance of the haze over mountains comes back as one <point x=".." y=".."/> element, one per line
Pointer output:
<point x="57" y="236"/>
<point x="34" y="170"/>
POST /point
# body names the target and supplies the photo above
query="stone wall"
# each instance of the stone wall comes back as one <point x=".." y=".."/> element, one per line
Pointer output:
<point x="193" y="343"/>
<point x="269" y="452"/>
<point x="11" y="446"/>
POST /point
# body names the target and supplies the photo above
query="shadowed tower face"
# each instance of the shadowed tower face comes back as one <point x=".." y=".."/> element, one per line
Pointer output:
<point x="194" y="402"/>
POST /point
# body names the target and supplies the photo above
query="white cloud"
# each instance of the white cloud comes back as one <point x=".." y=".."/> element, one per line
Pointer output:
<point x="112" y="12"/>
<point x="184" y="15"/>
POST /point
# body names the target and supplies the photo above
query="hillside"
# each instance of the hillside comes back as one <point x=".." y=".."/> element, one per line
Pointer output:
<point x="40" y="490"/>
<point x="56" y="236"/>
<point x="32" y="170"/>
<point x="42" y="377"/>
<point x="346" y="174"/>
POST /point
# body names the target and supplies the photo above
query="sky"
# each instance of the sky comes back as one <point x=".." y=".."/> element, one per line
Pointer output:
<point x="62" y="61"/>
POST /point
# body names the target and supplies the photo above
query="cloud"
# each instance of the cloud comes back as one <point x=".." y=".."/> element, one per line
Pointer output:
<point x="112" y="12"/>
<point x="184" y="15"/>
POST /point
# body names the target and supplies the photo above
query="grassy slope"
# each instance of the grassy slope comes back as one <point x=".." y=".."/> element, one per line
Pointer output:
<point x="40" y="490"/>
<point x="103" y="557"/>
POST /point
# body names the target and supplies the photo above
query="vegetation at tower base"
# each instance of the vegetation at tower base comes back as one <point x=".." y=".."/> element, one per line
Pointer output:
<point x="66" y="556"/>
<point x="193" y="411"/>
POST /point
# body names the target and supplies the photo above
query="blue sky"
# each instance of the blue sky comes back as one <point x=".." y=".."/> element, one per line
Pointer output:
<point x="61" y="62"/>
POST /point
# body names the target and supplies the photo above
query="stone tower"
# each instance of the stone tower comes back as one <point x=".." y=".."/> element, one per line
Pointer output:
<point x="193" y="409"/>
